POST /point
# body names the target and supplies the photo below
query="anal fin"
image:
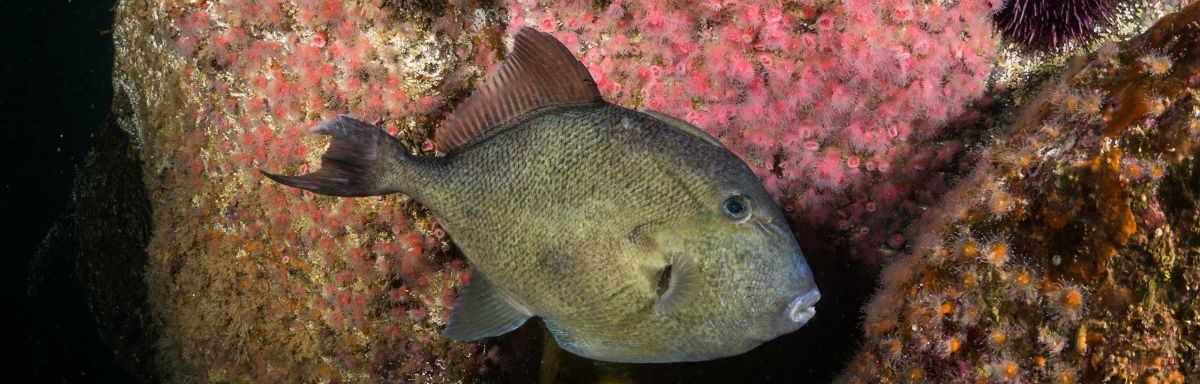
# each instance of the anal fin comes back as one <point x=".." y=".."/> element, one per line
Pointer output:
<point x="566" y="340"/>
<point x="484" y="310"/>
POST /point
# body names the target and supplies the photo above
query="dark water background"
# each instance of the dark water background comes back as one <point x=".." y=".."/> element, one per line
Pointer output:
<point x="56" y="61"/>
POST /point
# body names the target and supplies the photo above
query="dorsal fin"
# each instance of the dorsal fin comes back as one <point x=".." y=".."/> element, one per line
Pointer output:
<point x="682" y="125"/>
<point x="539" y="72"/>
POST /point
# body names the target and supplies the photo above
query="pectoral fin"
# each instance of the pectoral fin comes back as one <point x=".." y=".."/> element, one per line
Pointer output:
<point x="484" y="310"/>
<point x="683" y="284"/>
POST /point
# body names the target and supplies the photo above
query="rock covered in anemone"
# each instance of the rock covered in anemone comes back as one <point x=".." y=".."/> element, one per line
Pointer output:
<point x="1072" y="253"/>
<point x="253" y="281"/>
<point x="840" y="107"/>
<point x="221" y="88"/>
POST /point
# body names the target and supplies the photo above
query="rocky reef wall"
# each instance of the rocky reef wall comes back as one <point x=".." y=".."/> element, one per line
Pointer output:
<point x="1030" y="232"/>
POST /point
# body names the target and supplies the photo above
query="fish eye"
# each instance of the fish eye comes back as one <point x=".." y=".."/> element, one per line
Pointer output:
<point x="737" y="207"/>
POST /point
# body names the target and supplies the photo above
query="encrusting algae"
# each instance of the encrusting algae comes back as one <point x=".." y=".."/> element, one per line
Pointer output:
<point x="1100" y="243"/>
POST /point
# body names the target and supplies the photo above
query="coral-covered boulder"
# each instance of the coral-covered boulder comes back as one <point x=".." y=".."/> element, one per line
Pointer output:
<point x="250" y="280"/>
<point x="1072" y="252"/>
<point x="857" y="115"/>
<point x="840" y="107"/>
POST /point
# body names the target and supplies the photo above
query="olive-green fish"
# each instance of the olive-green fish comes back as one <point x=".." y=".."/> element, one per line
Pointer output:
<point x="635" y="236"/>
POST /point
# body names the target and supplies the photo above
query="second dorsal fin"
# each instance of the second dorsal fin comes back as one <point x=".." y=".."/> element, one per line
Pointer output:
<point x="539" y="72"/>
<point x="684" y="126"/>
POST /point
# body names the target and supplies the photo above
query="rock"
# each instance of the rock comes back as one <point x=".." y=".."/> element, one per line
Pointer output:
<point x="1071" y="252"/>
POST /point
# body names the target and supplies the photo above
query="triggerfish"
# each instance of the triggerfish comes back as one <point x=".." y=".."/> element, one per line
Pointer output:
<point x="634" y="235"/>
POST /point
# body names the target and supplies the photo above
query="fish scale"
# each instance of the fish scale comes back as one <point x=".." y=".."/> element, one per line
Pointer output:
<point x="548" y="187"/>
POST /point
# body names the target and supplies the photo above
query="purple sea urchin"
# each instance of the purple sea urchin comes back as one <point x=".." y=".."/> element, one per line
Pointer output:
<point x="1051" y="23"/>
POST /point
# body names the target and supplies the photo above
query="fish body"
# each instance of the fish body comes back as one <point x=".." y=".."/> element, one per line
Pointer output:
<point x="633" y="235"/>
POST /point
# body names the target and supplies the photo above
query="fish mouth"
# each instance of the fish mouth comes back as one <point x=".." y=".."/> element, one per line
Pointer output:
<point x="803" y="308"/>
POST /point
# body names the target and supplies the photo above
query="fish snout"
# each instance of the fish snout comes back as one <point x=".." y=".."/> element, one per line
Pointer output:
<point x="802" y="308"/>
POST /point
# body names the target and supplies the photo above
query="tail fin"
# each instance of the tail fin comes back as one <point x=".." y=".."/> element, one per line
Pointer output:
<point x="355" y="163"/>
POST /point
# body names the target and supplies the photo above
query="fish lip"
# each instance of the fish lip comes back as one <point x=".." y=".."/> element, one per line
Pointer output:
<point x="802" y="308"/>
